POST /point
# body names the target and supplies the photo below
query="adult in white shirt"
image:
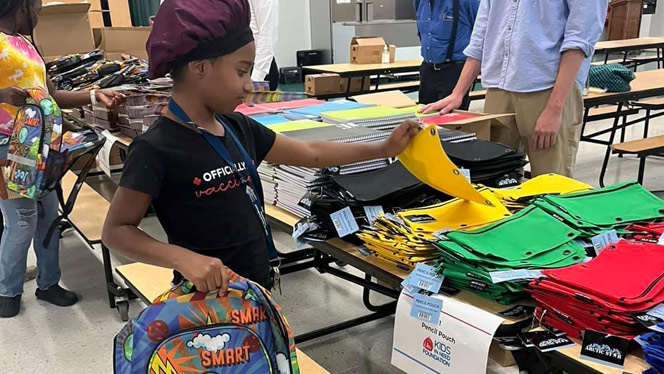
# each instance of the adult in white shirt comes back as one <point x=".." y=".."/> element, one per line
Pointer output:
<point x="264" y="23"/>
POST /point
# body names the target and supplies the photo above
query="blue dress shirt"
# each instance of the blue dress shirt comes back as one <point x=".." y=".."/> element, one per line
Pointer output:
<point x="520" y="42"/>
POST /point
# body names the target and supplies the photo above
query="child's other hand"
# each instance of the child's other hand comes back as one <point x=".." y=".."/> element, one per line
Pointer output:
<point x="109" y="98"/>
<point x="400" y="138"/>
<point x="14" y="96"/>
<point x="206" y="273"/>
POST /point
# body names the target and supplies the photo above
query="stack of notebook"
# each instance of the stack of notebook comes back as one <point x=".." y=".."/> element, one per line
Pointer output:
<point x="276" y="107"/>
<point x="292" y="183"/>
<point x="268" y="171"/>
<point x="314" y="112"/>
<point x="270" y="119"/>
<point x="376" y="117"/>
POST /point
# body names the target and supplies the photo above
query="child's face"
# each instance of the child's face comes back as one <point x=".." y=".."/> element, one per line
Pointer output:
<point x="228" y="82"/>
<point x="27" y="17"/>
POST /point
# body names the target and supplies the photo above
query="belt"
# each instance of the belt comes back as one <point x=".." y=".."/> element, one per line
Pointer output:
<point x="442" y="65"/>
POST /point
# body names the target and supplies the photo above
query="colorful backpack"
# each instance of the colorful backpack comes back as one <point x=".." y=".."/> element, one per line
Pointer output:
<point x="182" y="332"/>
<point x="36" y="136"/>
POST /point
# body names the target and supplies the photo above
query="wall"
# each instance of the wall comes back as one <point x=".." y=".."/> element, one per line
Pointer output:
<point x="657" y="21"/>
<point x="294" y="31"/>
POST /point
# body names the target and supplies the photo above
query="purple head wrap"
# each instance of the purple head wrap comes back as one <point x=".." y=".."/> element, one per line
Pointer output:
<point x="193" y="30"/>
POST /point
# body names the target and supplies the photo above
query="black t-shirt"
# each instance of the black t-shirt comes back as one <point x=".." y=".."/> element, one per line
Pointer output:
<point x="198" y="200"/>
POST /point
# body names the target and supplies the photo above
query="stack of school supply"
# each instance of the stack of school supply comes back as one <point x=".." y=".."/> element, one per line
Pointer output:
<point x="292" y="183"/>
<point x="605" y="293"/>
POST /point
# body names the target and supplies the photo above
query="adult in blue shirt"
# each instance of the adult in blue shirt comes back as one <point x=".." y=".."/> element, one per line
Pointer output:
<point x="444" y="27"/>
<point x="534" y="56"/>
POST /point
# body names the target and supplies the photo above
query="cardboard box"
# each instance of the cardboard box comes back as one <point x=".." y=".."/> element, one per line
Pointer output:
<point x="355" y="85"/>
<point x="94" y="14"/>
<point x="64" y="29"/>
<point x="503" y="357"/>
<point x="392" y="99"/>
<point x="322" y="84"/>
<point x="120" y="16"/>
<point x="369" y="50"/>
<point x="118" y="10"/>
<point x="480" y="125"/>
<point x="115" y="41"/>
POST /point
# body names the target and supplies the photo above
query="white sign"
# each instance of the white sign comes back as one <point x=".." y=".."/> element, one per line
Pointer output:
<point x="104" y="156"/>
<point x="458" y="344"/>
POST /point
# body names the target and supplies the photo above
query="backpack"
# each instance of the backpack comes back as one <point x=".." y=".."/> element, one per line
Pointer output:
<point x="183" y="332"/>
<point x="35" y="139"/>
<point x="39" y="154"/>
<point x="611" y="77"/>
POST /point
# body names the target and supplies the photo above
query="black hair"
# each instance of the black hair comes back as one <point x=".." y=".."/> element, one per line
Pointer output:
<point x="9" y="7"/>
<point x="179" y="70"/>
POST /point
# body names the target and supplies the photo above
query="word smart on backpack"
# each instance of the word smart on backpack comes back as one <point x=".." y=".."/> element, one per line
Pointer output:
<point x="182" y="332"/>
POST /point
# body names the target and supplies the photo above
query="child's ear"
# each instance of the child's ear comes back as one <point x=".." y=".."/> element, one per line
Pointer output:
<point x="200" y="68"/>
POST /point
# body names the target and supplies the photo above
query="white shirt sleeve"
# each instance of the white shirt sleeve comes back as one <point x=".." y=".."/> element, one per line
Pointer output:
<point x="264" y="25"/>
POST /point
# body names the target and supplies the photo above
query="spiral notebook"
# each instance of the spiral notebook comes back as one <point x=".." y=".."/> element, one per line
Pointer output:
<point x="343" y="133"/>
<point x="314" y="112"/>
<point x="447" y="118"/>
<point x="293" y="104"/>
<point x="367" y="115"/>
<point x="303" y="124"/>
<point x="271" y="119"/>
<point x="292" y="182"/>
<point x="455" y="136"/>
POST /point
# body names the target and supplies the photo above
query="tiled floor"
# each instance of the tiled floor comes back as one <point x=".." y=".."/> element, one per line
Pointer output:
<point x="53" y="340"/>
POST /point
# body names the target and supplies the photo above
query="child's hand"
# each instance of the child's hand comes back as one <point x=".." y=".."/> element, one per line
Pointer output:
<point x="400" y="138"/>
<point x="109" y="98"/>
<point x="14" y="96"/>
<point x="206" y="273"/>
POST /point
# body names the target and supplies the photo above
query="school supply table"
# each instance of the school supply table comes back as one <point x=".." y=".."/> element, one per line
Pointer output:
<point x="365" y="71"/>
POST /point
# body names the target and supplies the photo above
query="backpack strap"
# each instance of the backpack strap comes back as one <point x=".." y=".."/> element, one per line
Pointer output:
<point x="277" y="316"/>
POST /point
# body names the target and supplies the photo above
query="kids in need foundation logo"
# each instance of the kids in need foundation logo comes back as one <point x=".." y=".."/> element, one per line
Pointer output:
<point x="437" y="351"/>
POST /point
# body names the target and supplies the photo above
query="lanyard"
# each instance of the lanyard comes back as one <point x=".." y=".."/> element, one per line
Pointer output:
<point x="253" y="190"/>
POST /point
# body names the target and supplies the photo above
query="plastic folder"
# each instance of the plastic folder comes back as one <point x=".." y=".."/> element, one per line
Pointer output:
<point x="425" y="158"/>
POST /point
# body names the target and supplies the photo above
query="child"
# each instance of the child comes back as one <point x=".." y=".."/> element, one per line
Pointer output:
<point x="22" y="67"/>
<point x="206" y="203"/>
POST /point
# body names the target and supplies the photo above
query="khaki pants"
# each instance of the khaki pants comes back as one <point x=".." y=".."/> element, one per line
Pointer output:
<point x="517" y="132"/>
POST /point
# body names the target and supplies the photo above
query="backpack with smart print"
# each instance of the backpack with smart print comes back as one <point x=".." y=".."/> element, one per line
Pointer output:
<point x="39" y="155"/>
<point x="36" y="136"/>
<point x="185" y="332"/>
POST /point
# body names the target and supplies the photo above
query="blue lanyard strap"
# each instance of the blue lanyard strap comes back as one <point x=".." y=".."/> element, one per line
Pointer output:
<point x="254" y="192"/>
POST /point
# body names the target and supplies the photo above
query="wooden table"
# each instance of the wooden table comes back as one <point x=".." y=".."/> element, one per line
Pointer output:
<point x="141" y="279"/>
<point x="366" y="70"/>
<point x="627" y="45"/>
<point x="634" y="364"/>
<point x="392" y="275"/>
<point x="357" y="70"/>
<point x="646" y="85"/>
